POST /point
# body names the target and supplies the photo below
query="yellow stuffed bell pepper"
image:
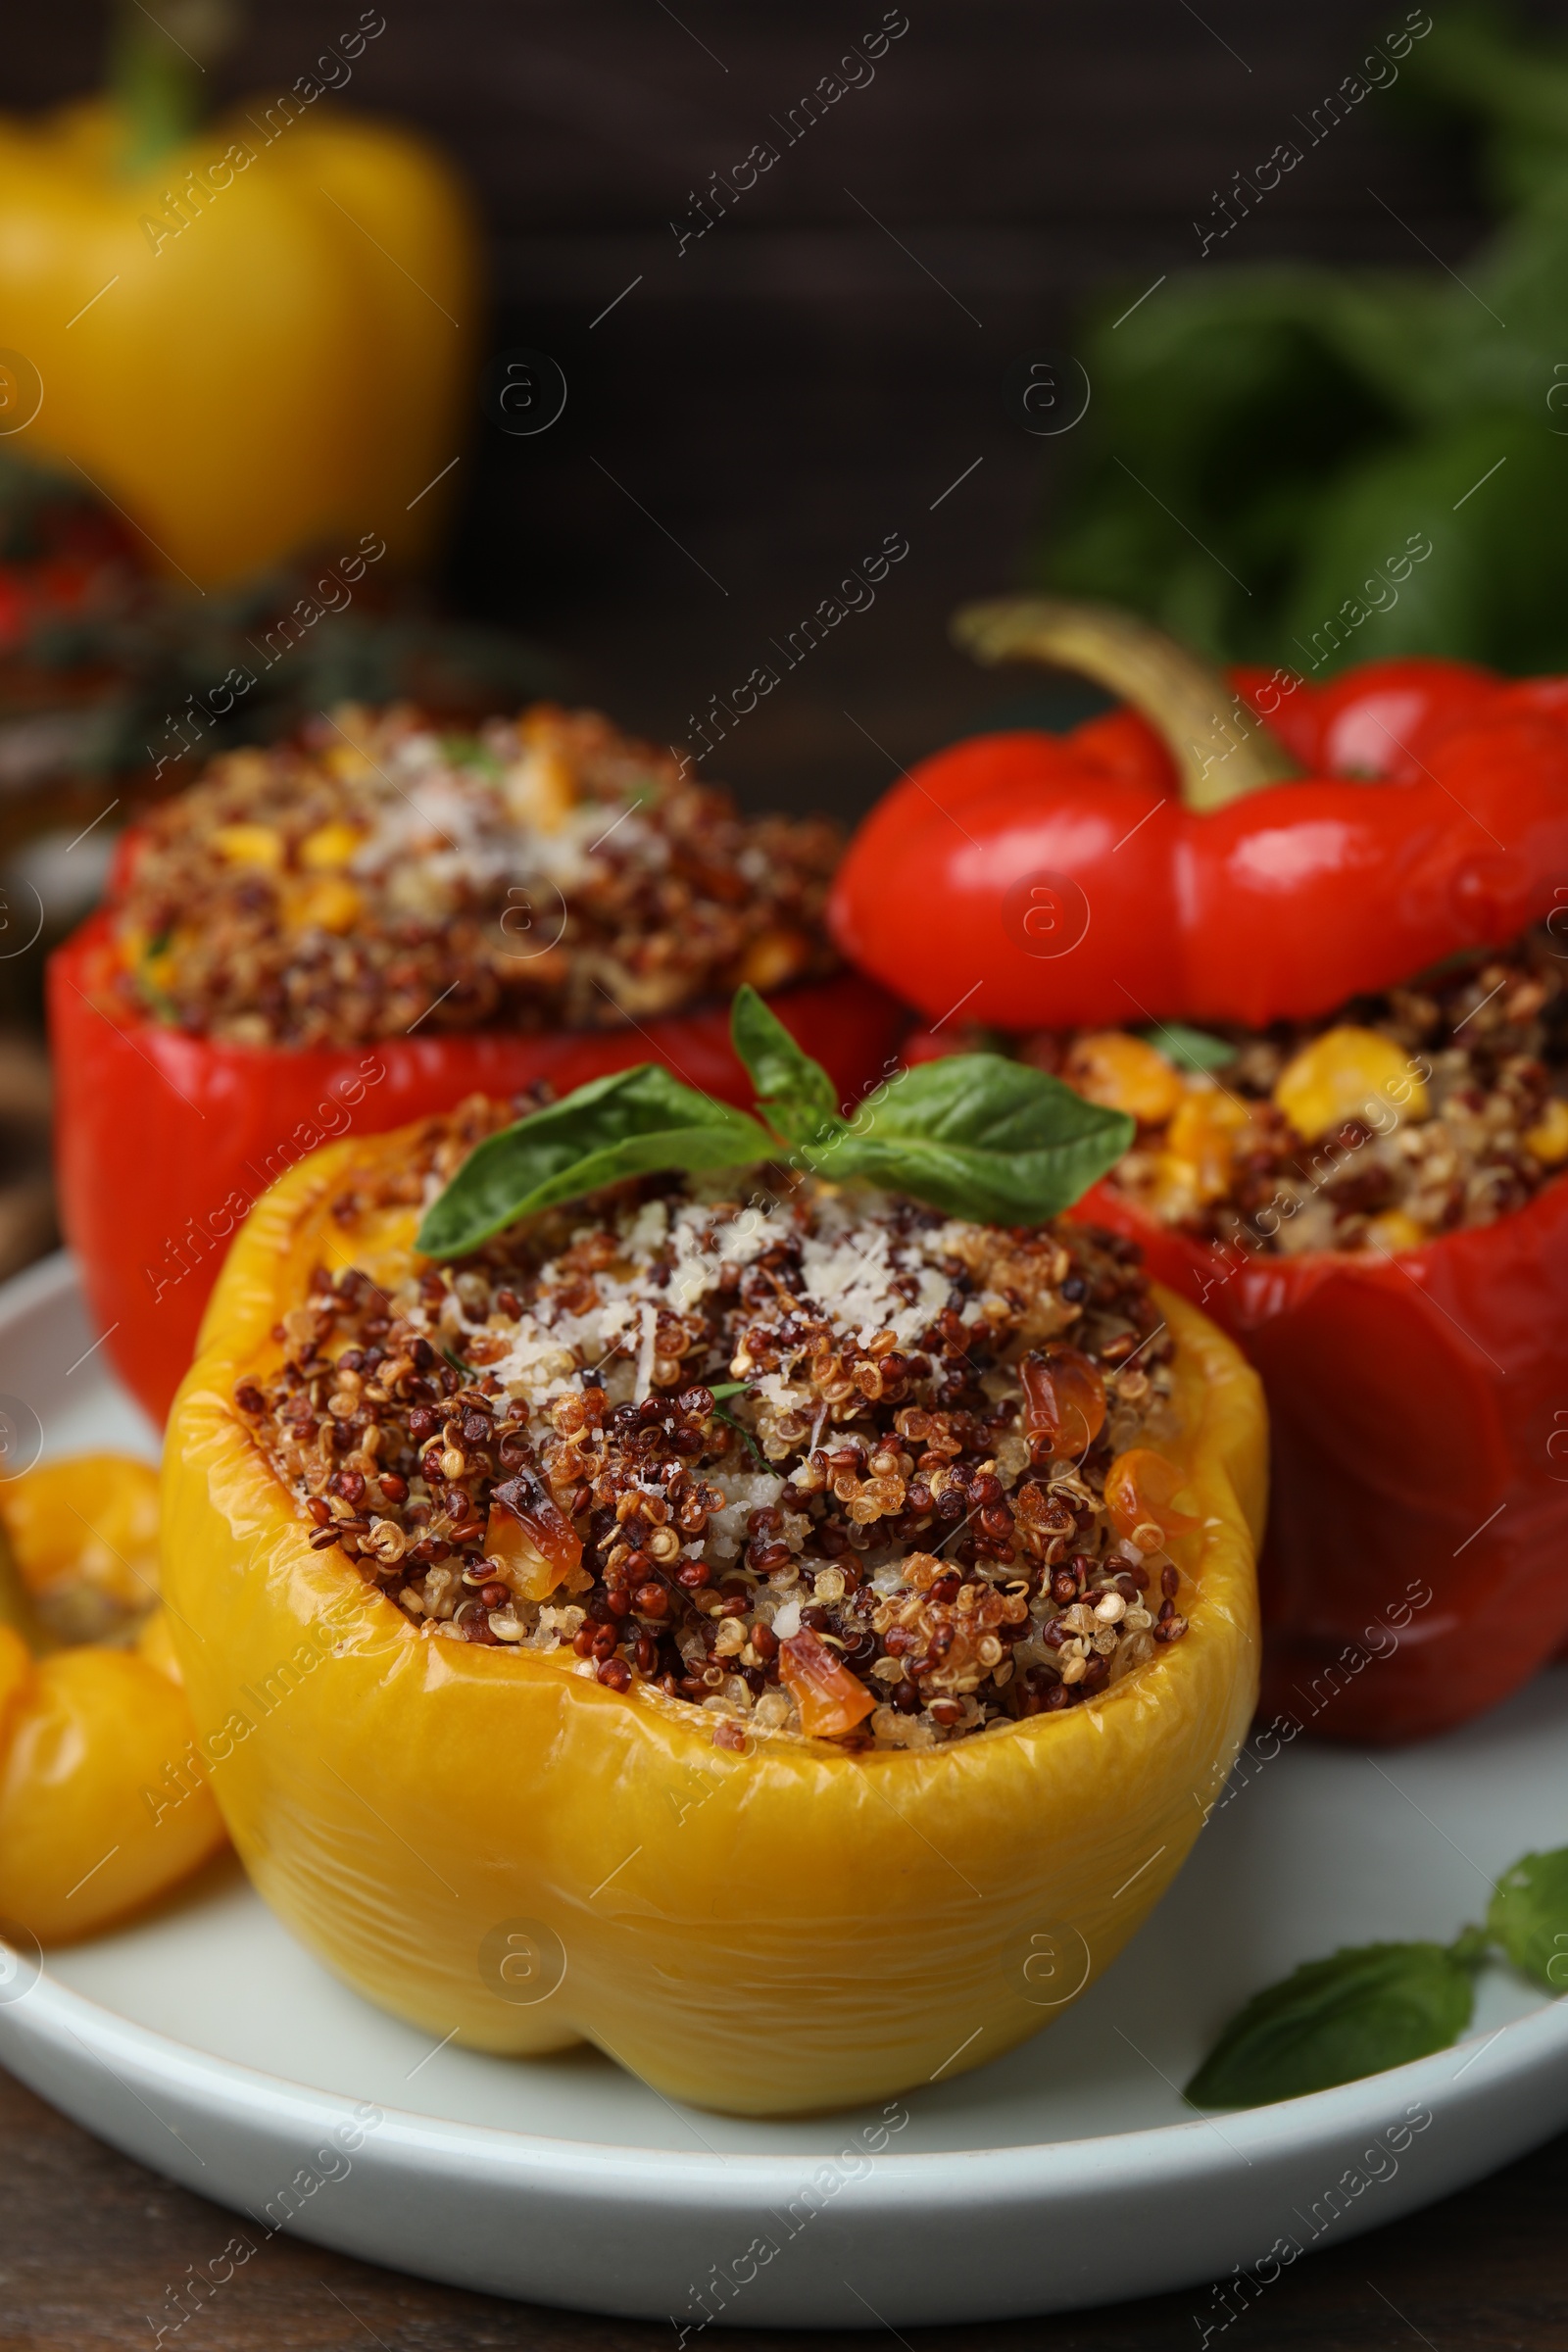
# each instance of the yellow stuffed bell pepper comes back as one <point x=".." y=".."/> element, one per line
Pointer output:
<point x="104" y="1804"/>
<point x="542" y="1708"/>
<point x="254" y="337"/>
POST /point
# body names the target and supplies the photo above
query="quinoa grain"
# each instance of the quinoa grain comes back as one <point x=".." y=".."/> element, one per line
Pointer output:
<point x="885" y="1485"/>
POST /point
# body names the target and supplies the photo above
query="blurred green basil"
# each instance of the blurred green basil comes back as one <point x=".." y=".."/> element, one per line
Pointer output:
<point x="1309" y="425"/>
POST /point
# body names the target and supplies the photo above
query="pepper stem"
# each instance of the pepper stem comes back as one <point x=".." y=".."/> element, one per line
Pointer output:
<point x="1221" y="749"/>
<point x="17" y="1608"/>
<point x="156" y="70"/>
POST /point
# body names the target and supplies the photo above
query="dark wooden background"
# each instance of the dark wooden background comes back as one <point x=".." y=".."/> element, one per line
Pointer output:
<point x="801" y="383"/>
<point x="796" y="386"/>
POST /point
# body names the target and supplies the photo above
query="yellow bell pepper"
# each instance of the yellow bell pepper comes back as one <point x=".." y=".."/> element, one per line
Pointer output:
<point x="495" y="1848"/>
<point x="254" y="337"/>
<point x="104" y="1802"/>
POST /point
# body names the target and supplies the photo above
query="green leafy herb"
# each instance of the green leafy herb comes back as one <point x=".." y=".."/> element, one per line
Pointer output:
<point x="735" y="1388"/>
<point x="794" y="1092"/>
<point x="1316" y="429"/>
<point x="980" y="1137"/>
<point x="467" y="751"/>
<point x="1189" y="1049"/>
<point x="977" y="1136"/>
<point x="624" y="1125"/>
<point x="744" y="1434"/>
<point x="1382" y="2003"/>
<point x="1528" y="1916"/>
<point x="157" y="1000"/>
<point x="1333" y="2021"/>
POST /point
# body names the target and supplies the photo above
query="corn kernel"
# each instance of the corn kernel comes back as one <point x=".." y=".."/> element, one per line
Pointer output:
<point x="542" y="790"/>
<point x="246" y="768"/>
<point x="1123" y="1073"/>
<point x="1394" y="1230"/>
<point x="775" y="956"/>
<point x="347" y="763"/>
<point x="1345" y="1074"/>
<point x="250" y="845"/>
<point x="1548" y="1138"/>
<point x="329" y="846"/>
<point x="1206" y="1136"/>
<point x="328" y="904"/>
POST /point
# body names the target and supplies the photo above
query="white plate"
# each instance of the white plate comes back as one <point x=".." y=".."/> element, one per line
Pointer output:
<point x="205" y="2042"/>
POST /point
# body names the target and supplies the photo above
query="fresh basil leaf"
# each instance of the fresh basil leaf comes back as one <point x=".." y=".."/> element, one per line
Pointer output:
<point x="1189" y="1049"/>
<point x="726" y="1388"/>
<point x="979" y="1135"/>
<point x="1368" y="2007"/>
<point x="467" y="751"/>
<point x="793" y="1091"/>
<point x="1529" y="1916"/>
<point x="624" y="1125"/>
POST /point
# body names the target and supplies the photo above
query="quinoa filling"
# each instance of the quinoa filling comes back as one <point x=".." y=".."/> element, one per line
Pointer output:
<point x="546" y="872"/>
<point x="1404" y="1115"/>
<point x="811" y="1460"/>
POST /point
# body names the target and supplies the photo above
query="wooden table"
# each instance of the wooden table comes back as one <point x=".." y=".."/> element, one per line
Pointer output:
<point x="90" y="2243"/>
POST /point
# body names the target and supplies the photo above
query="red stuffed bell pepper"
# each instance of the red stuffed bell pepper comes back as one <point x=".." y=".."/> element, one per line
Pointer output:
<point x="1354" y="889"/>
<point x="372" y="923"/>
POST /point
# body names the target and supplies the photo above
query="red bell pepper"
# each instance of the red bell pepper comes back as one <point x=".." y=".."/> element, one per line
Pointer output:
<point x="1413" y="1572"/>
<point x="1045" y="881"/>
<point x="165" y="1139"/>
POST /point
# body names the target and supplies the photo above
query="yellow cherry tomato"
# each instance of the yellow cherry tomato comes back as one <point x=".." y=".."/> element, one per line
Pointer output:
<point x="103" y="1803"/>
<point x="104" y="1798"/>
<point x="84" y="1536"/>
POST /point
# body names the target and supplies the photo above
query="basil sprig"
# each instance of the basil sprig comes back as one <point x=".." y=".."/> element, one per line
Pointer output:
<point x="1367" y="2008"/>
<point x="1377" y="2005"/>
<point x="976" y="1136"/>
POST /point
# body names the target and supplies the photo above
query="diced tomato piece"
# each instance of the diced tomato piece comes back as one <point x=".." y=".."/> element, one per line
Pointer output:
<point x="1064" y="1399"/>
<point x="832" y="1700"/>
<point x="530" y="1535"/>
<point x="1139" y="1486"/>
